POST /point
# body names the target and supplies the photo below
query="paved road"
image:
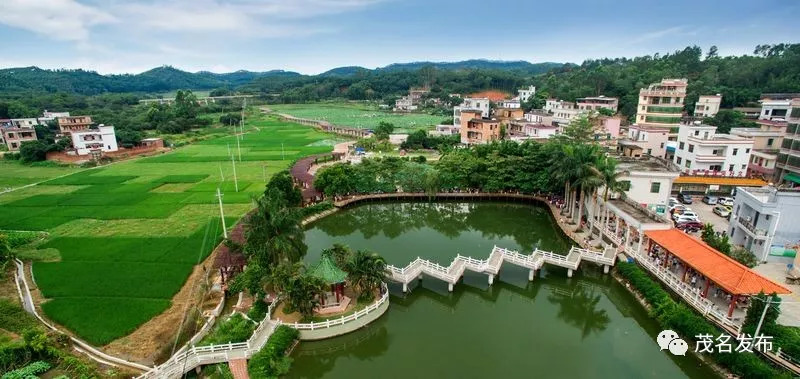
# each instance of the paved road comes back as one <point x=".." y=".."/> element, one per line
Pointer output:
<point x="707" y="215"/>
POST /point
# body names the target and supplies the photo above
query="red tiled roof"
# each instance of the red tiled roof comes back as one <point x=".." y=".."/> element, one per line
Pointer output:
<point x="729" y="274"/>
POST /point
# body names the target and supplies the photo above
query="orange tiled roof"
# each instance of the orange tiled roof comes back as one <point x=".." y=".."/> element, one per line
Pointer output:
<point x="729" y="274"/>
<point x="720" y="180"/>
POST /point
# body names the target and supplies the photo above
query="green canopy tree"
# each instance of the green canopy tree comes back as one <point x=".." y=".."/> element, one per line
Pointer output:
<point x="365" y="272"/>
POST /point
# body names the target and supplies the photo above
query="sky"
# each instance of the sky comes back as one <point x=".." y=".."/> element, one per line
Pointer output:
<point x="313" y="36"/>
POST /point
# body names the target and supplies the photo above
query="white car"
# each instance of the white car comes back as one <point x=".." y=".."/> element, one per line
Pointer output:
<point x="688" y="215"/>
<point x="672" y="202"/>
<point x="682" y="219"/>
<point x="727" y="201"/>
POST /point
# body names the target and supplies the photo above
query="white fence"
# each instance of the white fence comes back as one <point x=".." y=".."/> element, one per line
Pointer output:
<point x="345" y="319"/>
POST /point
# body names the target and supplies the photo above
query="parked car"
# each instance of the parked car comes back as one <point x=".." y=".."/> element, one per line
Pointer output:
<point x="691" y="226"/>
<point x="677" y="208"/>
<point x="710" y="199"/>
<point x="687" y="215"/>
<point x="728" y="201"/>
<point x="684" y="219"/>
<point x="672" y="202"/>
<point x="679" y="211"/>
<point x="685" y="198"/>
<point x="722" y="211"/>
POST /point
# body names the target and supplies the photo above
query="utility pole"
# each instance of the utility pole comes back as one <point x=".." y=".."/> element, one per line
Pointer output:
<point x="239" y="148"/>
<point x="222" y="214"/>
<point x="763" y="314"/>
<point x="221" y="177"/>
<point x="235" y="180"/>
<point x="244" y="105"/>
<point x="283" y="156"/>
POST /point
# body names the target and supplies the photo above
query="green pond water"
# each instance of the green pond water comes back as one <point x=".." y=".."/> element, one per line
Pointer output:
<point x="587" y="326"/>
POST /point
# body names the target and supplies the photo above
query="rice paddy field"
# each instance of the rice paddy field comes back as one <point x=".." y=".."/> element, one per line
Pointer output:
<point x="124" y="238"/>
<point x="359" y="115"/>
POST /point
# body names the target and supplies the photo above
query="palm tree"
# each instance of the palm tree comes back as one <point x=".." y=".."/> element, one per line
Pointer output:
<point x="611" y="183"/>
<point x="282" y="275"/>
<point x="585" y="173"/>
<point x="340" y="253"/>
<point x="303" y="292"/>
<point x="365" y="272"/>
<point x="562" y="167"/>
<point x="274" y="234"/>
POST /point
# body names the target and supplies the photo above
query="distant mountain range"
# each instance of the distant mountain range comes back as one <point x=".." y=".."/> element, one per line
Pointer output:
<point x="167" y="78"/>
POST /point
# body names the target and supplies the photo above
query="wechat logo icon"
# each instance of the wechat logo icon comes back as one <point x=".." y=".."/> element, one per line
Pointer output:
<point x="668" y="340"/>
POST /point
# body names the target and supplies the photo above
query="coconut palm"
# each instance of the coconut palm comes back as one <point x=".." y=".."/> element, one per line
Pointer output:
<point x="562" y="165"/>
<point x="274" y="234"/>
<point x="607" y="170"/>
<point x="303" y="292"/>
<point x="365" y="271"/>
<point x="585" y="174"/>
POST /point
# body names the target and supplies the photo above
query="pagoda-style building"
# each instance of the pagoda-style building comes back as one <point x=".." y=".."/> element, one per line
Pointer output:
<point x="333" y="301"/>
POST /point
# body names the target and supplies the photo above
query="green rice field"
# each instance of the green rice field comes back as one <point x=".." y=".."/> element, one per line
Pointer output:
<point x="14" y="174"/>
<point x="126" y="236"/>
<point x="359" y="115"/>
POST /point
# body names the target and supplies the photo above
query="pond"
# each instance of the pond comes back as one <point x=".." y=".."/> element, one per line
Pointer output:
<point x="587" y="326"/>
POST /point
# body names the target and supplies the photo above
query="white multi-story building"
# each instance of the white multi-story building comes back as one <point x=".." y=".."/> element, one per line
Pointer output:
<point x="597" y="102"/>
<point x="512" y="103"/>
<point x="523" y="94"/>
<point x="95" y="141"/>
<point x="480" y="104"/>
<point x="25" y="123"/>
<point x="650" y="181"/>
<point x="707" y="105"/>
<point x="765" y="220"/>
<point x="48" y="116"/>
<point x="538" y="116"/>
<point x="700" y="148"/>
<point x="661" y="104"/>
<point x="563" y="111"/>
<point x="777" y="106"/>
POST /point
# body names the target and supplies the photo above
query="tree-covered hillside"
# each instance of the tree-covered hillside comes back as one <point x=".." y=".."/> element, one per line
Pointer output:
<point x="160" y="79"/>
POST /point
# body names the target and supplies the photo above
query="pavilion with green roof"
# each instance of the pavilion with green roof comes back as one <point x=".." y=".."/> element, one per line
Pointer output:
<point x="327" y="270"/>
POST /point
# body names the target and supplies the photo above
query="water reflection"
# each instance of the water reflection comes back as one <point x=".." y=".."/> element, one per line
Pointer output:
<point x="451" y="219"/>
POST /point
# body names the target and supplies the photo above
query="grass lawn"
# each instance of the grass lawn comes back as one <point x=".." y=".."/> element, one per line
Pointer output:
<point x="124" y="238"/>
<point x="14" y="174"/>
<point x="359" y="115"/>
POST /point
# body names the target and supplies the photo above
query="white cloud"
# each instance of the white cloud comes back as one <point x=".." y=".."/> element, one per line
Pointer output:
<point x="265" y="18"/>
<point x="66" y="20"/>
<point x="658" y="34"/>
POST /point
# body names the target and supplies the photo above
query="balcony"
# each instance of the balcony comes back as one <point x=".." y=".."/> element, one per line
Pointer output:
<point x="752" y="230"/>
<point x="666" y="109"/>
<point x="717" y="158"/>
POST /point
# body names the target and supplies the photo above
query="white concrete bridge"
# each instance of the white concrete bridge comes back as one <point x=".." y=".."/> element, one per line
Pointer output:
<point x="491" y="266"/>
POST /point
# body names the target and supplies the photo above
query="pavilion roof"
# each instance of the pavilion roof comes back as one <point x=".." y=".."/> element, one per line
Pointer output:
<point x="723" y="270"/>
<point x="327" y="270"/>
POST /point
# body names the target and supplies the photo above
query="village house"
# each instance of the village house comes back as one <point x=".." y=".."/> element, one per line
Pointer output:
<point x="700" y="148"/>
<point x="480" y="131"/>
<point x="777" y="106"/>
<point x="594" y="103"/>
<point x="70" y="124"/>
<point x="469" y="106"/>
<point x="707" y="105"/>
<point x="767" y="139"/>
<point x="94" y="141"/>
<point x="14" y="137"/>
<point x="644" y="139"/>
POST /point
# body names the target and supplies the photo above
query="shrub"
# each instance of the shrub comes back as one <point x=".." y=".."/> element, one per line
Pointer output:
<point x="234" y="329"/>
<point x="258" y="311"/>
<point x="28" y="371"/>
<point x="686" y="322"/>
<point x="271" y="361"/>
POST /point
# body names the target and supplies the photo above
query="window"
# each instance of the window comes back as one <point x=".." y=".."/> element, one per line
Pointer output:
<point x="680" y="146"/>
<point x="735" y="151"/>
<point x="705" y="135"/>
<point x="678" y="160"/>
<point x="662" y="145"/>
<point x="747" y="151"/>
<point x="688" y="164"/>
<point x="770" y="141"/>
<point x="649" y="151"/>
<point x="691" y="148"/>
<point x="655" y="187"/>
<point x="696" y="133"/>
<point x="744" y="167"/>
<point x="730" y="168"/>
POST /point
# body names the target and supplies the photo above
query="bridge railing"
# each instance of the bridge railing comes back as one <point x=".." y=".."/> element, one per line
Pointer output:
<point x="345" y="319"/>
